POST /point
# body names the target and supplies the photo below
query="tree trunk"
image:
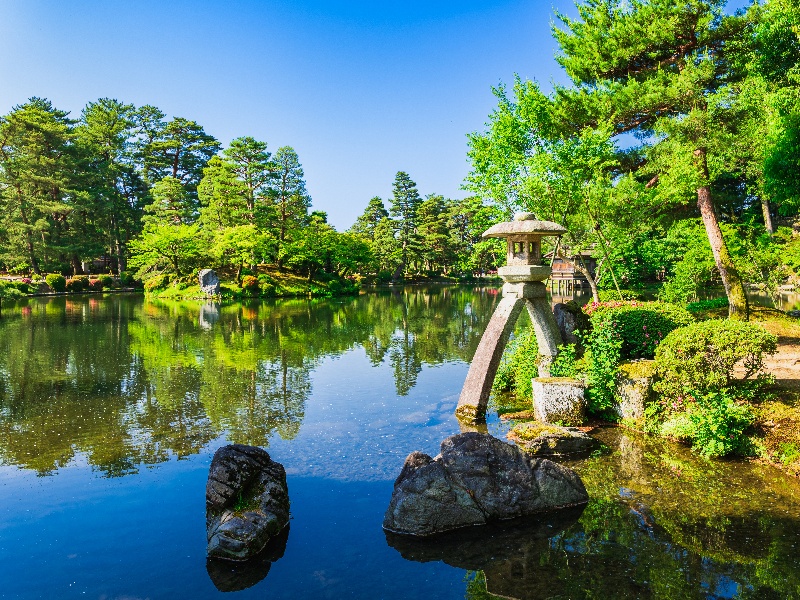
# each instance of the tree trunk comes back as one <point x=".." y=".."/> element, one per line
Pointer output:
<point x="738" y="307"/>
<point x="592" y="283"/>
<point x="767" y="216"/>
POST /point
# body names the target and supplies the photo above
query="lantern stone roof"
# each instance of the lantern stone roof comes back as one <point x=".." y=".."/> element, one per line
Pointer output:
<point x="524" y="223"/>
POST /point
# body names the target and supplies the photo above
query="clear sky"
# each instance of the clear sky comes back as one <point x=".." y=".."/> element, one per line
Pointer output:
<point x="360" y="89"/>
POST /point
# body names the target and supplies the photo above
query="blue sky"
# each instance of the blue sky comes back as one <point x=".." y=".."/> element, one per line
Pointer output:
<point x="360" y="89"/>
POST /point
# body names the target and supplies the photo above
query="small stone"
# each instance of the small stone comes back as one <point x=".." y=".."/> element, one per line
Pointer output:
<point x="559" y="400"/>
<point x="475" y="480"/>
<point x="542" y="439"/>
<point x="247" y="502"/>
<point x="793" y="313"/>
<point x="209" y="282"/>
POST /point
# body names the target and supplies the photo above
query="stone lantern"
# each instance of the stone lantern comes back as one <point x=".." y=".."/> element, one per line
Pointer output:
<point x="523" y="276"/>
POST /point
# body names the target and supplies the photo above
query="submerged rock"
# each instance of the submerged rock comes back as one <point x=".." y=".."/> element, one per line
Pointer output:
<point x="247" y="502"/>
<point x="475" y="480"/>
<point x="209" y="282"/>
<point x="543" y="439"/>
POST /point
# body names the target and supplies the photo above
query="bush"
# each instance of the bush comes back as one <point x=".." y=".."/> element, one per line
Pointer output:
<point x="641" y="325"/>
<point x="107" y="280"/>
<point x="713" y="423"/>
<point x="250" y="284"/>
<point x="518" y="365"/>
<point x="613" y="295"/>
<point x="74" y="285"/>
<point x="701" y="305"/>
<point x="96" y="285"/>
<point x="702" y="356"/>
<point x="564" y="363"/>
<point x="21" y="285"/>
<point x="56" y="281"/>
<point x="603" y="354"/>
<point x="126" y="279"/>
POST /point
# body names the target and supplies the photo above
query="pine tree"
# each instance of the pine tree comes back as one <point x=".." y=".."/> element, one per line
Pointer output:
<point x="405" y="202"/>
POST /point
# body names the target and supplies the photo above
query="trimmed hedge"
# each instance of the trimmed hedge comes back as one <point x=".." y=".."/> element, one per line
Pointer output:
<point x="56" y="282"/>
<point x="641" y="325"/>
<point x="701" y="357"/>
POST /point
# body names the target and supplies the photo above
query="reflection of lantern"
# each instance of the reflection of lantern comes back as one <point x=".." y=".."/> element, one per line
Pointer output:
<point x="523" y="274"/>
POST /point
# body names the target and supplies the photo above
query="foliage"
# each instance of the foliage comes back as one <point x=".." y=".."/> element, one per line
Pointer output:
<point x="56" y="281"/>
<point x="518" y="365"/>
<point x="702" y="305"/>
<point x="564" y="363"/>
<point x="75" y="284"/>
<point x="714" y="423"/>
<point x="96" y="285"/>
<point x="641" y="325"/>
<point x="250" y="283"/>
<point x="603" y="354"/>
<point x="702" y="356"/>
<point x="106" y="280"/>
<point x="613" y="295"/>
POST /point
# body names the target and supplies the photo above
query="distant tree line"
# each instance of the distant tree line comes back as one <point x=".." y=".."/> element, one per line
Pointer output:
<point x="159" y="196"/>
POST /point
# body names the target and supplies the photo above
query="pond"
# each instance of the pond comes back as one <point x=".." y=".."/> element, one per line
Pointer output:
<point x="111" y="408"/>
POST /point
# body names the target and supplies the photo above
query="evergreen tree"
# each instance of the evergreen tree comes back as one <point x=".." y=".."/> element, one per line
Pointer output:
<point x="367" y="222"/>
<point x="405" y="202"/>
<point x="289" y="196"/>
<point x="36" y="163"/>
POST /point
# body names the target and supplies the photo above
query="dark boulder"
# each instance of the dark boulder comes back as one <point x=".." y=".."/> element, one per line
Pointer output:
<point x="570" y="318"/>
<point x="247" y="502"/>
<point x="475" y="480"/>
<point x="209" y="282"/>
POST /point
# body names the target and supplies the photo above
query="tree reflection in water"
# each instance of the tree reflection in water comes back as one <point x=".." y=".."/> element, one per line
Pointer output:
<point x="125" y="382"/>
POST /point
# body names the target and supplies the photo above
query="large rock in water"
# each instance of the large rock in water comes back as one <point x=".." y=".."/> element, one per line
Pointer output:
<point x="247" y="502"/>
<point x="209" y="282"/>
<point x="475" y="480"/>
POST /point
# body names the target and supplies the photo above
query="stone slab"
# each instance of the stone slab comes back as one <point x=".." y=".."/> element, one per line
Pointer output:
<point x="559" y="400"/>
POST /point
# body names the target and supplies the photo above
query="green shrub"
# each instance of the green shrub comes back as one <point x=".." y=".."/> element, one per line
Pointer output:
<point x="96" y="285"/>
<point x="74" y="285"/>
<point x="126" y="279"/>
<point x="713" y="423"/>
<point x="23" y="286"/>
<point x="107" y="280"/>
<point x="602" y="357"/>
<point x="700" y="305"/>
<point x="518" y="365"/>
<point x="641" y="325"/>
<point x="56" y="281"/>
<point x="702" y="356"/>
<point x="614" y="295"/>
<point x="564" y="363"/>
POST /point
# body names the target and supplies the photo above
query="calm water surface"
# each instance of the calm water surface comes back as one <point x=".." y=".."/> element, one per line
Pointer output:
<point x="112" y="407"/>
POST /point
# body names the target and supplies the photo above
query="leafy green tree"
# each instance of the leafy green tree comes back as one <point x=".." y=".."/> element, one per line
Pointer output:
<point x="405" y="202"/>
<point x="223" y="196"/>
<point x="166" y="249"/>
<point x="660" y="70"/>
<point x="171" y="204"/>
<point x="385" y="247"/>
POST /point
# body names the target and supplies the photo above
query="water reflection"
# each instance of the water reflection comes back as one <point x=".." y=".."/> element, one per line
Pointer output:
<point x="660" y="524"/>
<point x="230" y="576"/>
<point x="125" y="382"/>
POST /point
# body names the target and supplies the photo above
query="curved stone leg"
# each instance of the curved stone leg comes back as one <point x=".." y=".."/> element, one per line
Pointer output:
<point x="478" y="385"/>
<point x="548" y="337"/>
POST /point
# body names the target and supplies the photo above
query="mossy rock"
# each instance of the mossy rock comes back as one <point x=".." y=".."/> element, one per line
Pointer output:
<point x="544" y="439"/>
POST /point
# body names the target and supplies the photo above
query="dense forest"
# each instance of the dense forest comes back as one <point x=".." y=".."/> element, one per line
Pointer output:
<point x="672" y="157"/>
